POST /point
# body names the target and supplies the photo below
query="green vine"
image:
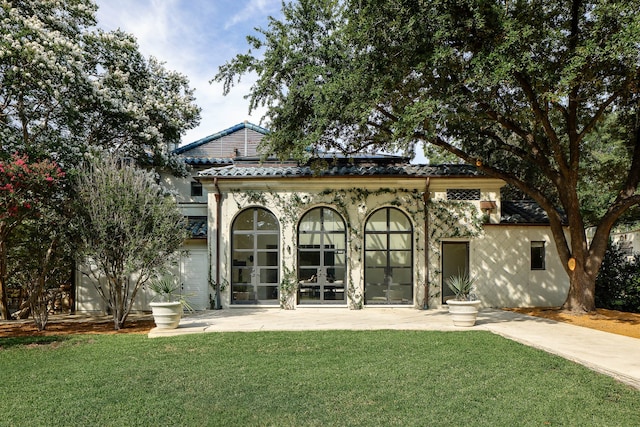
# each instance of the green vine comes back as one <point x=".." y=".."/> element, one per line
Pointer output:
<point x="447" y="219"/>
<point x="288" y="288"/>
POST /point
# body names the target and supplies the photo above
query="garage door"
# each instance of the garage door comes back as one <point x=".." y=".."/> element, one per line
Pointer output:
<point x="194" y="272"/>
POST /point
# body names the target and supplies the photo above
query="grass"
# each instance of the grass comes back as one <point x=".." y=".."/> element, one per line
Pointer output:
<point x="366" y="378"/>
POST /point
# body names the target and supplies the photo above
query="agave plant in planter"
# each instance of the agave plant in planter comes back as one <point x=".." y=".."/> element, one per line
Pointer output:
<point x="168" y="308"/>
<point x="464" y="307"/>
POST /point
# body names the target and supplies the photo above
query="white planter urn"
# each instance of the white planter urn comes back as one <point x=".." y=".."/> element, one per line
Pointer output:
<point x="166" y="314"/>
<point x="463" y="313"/>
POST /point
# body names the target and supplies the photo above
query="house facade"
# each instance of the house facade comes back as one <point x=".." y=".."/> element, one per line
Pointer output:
<point x="364" y="231"/>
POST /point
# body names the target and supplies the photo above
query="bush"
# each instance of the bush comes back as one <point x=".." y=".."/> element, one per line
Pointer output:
<point x="618" y="282"/>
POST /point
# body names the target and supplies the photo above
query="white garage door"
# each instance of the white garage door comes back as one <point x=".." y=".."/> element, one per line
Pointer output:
<point x="194" y="271"/>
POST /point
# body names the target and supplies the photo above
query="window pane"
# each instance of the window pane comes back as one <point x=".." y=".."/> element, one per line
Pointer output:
<point x="537" y="255"/>
<point x="267" y="241"/>
<point x="376" y="276"/>
<point x="242" y="258"/>
<point x="311" y="221"/>
<point x="242" y="241"/>
<point x="267" y="292"/>
<point x="376" y="241"/>
<point x="334" y="241"/>
<point x="400" y="258"/>
<point x="400" y="241"/>
<point x="332" y="221"/>
<point x="401" y="276"/>
<point x="309" y="258"/>
<point x="377" y="221"/>
<point x="308" y="275"/>
<point x="241" y="275"/>
<point x="376" y="293"/>
<point x="400" y="294"/>
<point x="244" y="221"/>
<point x="268" y="258"/>
<point x="311" y="240"/>
<point x="376" y="258"/>
<point x="268" y="275"/>
<point x="398" y="221"/>
<point x="266" y="220"/>
<point x="336" y="276"/>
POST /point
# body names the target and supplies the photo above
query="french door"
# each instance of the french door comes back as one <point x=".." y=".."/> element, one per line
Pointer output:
<point x="388" y="258"/>
<point x="321" y="257"/>
<point x="255" y="249"/>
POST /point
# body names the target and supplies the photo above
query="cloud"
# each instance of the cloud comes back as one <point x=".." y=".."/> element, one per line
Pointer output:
<point x="253" y="8"/>
<point x="191" y="37"/>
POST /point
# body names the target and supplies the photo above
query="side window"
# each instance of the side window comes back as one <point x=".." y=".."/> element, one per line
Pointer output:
<point x="196" y="189"/>
<point x="537" y="255"/>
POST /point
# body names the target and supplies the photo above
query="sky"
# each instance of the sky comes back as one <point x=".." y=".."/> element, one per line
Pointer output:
<point x="195" y="37"/>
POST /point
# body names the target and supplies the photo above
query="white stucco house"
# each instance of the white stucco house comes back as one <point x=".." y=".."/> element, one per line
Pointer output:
<point x="355" y="232"/>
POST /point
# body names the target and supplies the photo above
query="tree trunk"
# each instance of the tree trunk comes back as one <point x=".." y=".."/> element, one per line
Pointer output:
<point x="4" y="304"/>
<point x="581" y="296"/>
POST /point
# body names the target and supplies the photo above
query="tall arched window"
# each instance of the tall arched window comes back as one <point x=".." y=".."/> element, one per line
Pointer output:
<point x="321" y="257"/>
<point x="255" y="249"/>
<point x="388" y="258"/>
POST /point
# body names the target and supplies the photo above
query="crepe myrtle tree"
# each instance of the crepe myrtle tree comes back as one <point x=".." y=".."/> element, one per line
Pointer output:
<point x="26" y="187"/>
<point x="66" y="87"/>
<point x="41" y="255"/>
<point x="131" y="230"/>
<point x="520" y="88"/>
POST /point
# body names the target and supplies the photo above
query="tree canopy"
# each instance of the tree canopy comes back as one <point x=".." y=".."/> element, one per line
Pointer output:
<point x="66" y="86"/>
<point x="131" y="230"/>
<point x="526" y="90"/>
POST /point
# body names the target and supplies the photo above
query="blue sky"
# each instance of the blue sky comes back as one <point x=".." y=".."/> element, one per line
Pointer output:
<point x="195" y="37"/>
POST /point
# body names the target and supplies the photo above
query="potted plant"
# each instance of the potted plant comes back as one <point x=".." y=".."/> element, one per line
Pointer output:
<point x="167" y="310"/>
<point x="464" y="307"/>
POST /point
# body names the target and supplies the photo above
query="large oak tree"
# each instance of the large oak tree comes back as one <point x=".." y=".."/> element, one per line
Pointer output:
<point x="523" y="89"/>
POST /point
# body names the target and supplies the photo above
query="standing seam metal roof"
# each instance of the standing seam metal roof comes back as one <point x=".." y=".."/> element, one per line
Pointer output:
<point x="219" y="135"/>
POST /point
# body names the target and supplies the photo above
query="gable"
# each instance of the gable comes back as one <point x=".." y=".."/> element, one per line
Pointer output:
<point x="241" y="140"/>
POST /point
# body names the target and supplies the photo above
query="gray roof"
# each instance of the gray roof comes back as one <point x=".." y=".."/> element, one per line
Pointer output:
<point x="522" y="212"/>
<point x="219" y="135"/>
<point x="197" y="225"/>
<point x="405" y="170"/>
<point x="207" y="161"/>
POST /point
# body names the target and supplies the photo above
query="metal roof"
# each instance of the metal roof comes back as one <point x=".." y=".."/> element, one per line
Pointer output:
<point x="219" y="135"/>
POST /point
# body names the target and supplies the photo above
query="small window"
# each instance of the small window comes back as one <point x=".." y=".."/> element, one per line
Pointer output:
<point x="463" y="194"/>
<point x="196" y="189"/>
<point x="537" y="255"/>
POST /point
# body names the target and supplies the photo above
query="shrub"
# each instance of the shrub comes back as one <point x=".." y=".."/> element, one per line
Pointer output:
<point x="618" y="282"/>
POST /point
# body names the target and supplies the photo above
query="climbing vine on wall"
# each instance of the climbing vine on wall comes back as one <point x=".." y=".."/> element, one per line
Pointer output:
<point x="448" y="218"/>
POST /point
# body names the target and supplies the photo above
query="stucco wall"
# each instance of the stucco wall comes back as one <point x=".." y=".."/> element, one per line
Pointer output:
<point x="499" y="255"/>
<point x="501" y="262"/>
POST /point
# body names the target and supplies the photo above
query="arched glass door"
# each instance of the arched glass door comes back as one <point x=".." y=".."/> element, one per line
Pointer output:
<point x="321" y="257"/>
<point x="388" y="258"/>
<point x="255" y="249"/>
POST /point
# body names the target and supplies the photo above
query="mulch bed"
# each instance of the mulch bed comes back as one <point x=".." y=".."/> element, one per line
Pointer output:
<point x="73" y="325"/>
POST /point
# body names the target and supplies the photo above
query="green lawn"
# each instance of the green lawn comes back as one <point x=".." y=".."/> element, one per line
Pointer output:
<point x="373" y="378"/>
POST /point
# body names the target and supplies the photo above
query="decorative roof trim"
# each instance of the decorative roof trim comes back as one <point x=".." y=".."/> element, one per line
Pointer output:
<point x="219" y="135"/>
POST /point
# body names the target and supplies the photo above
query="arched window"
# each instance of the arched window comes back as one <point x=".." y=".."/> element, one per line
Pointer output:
<point x="321" y="257"/>
<point x="255" y="249"/>
<point x="388" y="258"/>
